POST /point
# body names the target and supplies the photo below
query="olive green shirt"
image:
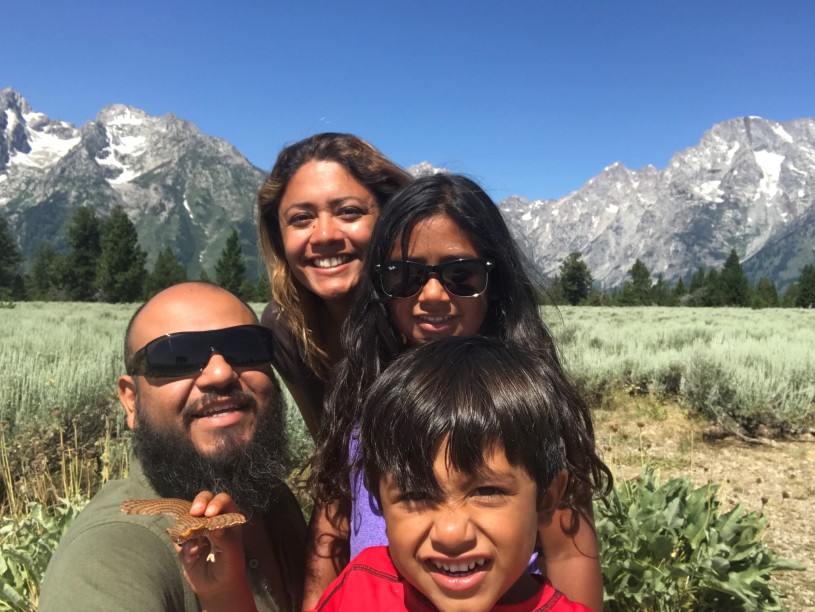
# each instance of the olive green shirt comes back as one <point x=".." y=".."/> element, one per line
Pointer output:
<point x="108" y="560"/>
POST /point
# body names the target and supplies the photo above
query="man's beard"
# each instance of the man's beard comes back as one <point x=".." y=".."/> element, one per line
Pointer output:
<point x="251" y="473"/>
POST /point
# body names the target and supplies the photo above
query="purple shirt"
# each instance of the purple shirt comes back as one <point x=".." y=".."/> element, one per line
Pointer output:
<point x="367" y="522"/>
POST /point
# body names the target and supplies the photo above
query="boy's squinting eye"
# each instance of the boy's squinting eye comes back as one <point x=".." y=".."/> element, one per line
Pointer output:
<point x="413" y="499"/>
<point x="490" y="495"/>
<point x="488" y="491"/>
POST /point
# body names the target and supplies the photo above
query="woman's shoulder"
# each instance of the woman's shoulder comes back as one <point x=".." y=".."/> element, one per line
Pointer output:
<point x="271" y="318"/>
<point x="286" y="356"/>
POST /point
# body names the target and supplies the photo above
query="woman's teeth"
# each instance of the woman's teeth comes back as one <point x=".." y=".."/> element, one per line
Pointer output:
<point x="330" y="262"/>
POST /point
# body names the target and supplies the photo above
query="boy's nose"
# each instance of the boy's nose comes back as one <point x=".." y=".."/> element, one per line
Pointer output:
<point x="453" y="532"/>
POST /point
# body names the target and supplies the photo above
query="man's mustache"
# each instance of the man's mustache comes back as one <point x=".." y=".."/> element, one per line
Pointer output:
<point x="241" y="398"/>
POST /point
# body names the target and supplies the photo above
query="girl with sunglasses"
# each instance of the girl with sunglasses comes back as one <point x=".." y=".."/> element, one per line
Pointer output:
<point x="441" y="262"/>
<point x="316" y="211"/>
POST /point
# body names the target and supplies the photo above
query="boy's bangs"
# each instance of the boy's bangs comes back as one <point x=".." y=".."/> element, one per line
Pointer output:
<point x="466" y="403"/>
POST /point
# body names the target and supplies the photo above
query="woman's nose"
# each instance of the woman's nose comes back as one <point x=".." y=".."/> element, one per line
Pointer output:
<point x="326" y="229"/>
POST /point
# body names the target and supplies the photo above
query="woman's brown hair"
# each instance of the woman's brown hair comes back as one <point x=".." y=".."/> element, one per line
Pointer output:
<point x="297" y="305"/>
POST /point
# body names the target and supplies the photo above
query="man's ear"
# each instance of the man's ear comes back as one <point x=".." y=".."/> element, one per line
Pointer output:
<point x="126" y="387"/>
<point x="551" y="499"/>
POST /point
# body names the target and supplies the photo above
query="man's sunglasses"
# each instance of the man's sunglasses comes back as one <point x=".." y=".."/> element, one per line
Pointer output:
<point x="185" y="353"/>
<point x="401" y="278"/>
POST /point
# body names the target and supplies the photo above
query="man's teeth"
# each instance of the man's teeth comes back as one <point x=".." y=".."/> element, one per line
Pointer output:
<point x="330" y="262"/>
<point x="218" y="410"/>
<point x="458" y="568"/>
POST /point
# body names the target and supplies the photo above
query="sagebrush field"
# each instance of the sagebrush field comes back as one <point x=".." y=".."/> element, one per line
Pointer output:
<point x="746" y="374"/>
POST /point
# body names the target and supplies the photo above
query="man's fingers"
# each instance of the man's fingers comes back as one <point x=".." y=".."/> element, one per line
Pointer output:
<point x="201" y="502"/>
<point x="220" y="504"/>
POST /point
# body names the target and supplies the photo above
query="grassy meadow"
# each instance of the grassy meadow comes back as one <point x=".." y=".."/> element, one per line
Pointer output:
<point x="62" y="433"/>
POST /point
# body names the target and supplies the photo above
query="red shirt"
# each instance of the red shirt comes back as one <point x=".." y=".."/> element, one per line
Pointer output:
<point x="370" y="582"/>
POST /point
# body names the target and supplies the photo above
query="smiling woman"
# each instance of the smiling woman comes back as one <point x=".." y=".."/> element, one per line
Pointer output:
<point x="316" y="211"/>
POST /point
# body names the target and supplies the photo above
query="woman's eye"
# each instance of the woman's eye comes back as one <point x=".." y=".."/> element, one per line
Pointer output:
<point x="350" y="213"/>
<point x="300" y="220"/>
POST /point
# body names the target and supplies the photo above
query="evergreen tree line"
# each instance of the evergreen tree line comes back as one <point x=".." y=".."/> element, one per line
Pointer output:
<point x="105" y="263"/>
<point x="726" y="287"/>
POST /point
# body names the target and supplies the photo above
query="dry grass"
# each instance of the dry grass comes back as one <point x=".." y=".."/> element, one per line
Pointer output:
<point x="776" y="478"/>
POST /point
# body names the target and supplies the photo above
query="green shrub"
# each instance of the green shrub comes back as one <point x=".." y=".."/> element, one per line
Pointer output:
<point x="671" y="547"/>
<point x="26" y="546"/>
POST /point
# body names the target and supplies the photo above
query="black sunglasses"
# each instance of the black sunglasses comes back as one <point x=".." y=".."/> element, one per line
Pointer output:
<point x="184" y="353"/>
<point x="401" y="278"/>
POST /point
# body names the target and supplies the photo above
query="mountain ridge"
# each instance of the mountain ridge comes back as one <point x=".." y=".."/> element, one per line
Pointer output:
<point x="747" y="184"/>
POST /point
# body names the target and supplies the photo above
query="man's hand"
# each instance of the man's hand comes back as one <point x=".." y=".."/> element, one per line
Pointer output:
<point x="222" y="584"/>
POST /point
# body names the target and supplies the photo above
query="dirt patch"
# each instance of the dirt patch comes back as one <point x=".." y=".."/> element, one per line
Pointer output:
<point x="776" y="478"/>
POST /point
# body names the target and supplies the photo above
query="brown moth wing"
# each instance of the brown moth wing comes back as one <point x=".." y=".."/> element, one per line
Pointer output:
<point x="185" y="527"/>
<point x="175" y="508"/>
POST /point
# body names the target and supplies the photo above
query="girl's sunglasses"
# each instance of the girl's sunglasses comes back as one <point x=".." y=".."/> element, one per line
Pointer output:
<point x="401" y="278"/>
<point x="185" y="353"/>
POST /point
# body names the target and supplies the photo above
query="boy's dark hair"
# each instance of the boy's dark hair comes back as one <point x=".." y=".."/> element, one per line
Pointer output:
<point x="478" y="394"/>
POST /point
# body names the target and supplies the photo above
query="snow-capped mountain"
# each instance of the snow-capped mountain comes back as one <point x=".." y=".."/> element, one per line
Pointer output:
<point x="180" y="187"/>
<point x="747" y="185"/>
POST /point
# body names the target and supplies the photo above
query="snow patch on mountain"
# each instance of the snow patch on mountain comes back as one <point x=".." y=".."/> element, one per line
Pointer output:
<point x="770" y="164"/>
<point x="47" y="145"/>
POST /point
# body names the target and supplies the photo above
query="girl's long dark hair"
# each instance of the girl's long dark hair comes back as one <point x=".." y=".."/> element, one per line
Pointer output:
<point x="371" y="342"/>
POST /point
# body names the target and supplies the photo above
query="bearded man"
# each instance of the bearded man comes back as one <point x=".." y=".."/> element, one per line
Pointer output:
<point x="207" y="414"/>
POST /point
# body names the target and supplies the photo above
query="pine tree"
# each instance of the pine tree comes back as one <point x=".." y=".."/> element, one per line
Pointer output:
<point x="121" y="263"/>
<point x="697" y="281"/>
<point x="766" y="295"/>
<point x="11" y="278"/>
<point x="711" y="296"/>
<point x="263" y="289"/>
<point x="680" y="290"/>
<point x="806" y="288"/>
<point x="661" y="293"/>
<point x="734" y="288"/>
<point x="230" y="269"/>
<point x="575" y="278"/>
<point x="790" y="296"/>
<point x="46" y="279"/>
<point x="638" y="292"/>
<point x="84" y="248"/>
<point x="204" y="276"/>
<point x="166" y="273"/>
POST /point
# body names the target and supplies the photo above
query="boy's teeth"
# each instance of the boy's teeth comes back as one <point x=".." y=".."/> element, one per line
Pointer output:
<point x="457" y="568"/>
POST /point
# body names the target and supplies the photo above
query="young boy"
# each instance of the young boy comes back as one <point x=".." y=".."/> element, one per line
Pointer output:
<point x="461" y="442"/>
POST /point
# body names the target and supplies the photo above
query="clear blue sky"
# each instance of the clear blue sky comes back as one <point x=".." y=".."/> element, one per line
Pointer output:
<point x="530" y="97"/>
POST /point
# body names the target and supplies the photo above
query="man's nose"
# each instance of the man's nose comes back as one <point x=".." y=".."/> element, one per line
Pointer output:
<point x="217" y="373"/>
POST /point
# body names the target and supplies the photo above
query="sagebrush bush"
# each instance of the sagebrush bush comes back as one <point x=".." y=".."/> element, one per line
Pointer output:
<point x="673" y="547"/>
<point x="27" y="543"/>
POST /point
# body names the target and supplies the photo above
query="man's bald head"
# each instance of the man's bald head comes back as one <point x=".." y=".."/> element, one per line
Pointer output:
<point x="184" y="306"/>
